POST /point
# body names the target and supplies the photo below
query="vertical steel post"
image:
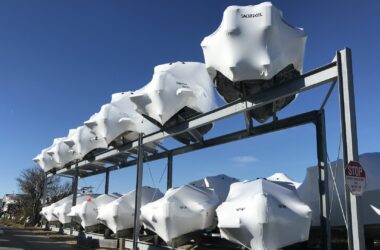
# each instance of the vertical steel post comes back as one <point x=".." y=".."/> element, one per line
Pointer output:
<point x="74" y="193"/>
<point x="44" y="190"/>
<point x="43" y="203"/>
<point x="323" y="179"/>
<point x="355" y="230"/>
<point x="107" y="182"/>
<point x="169" y="181"/>
<point x="139" y="176"/>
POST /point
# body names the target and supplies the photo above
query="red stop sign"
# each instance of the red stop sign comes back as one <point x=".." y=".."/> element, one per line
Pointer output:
<point x="355" y="177"/>
<point x="354" y="168"/>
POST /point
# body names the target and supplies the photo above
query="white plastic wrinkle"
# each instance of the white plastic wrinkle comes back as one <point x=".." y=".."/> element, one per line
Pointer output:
<point x="258" y="215"/>
<point x="87" y="211"/>
<point x="61" y="152"/>
<point x="82" y="141"/>
<point x="188" y="208"/>
<point x="253" y="42"/>
<point x="47" y="211"/>
<point x="284" y="180"/>
<point x="220" y="184"/>
<point x="119" y="214"/>
<point x="62" y="211"/>
<point x="119" y="118"/>
<point x="173" y="87"/>
<point x="44" y="159"/>
<point x="182" y="210"/>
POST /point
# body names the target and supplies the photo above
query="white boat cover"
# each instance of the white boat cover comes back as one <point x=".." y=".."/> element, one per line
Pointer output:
<point x="188" y="208"/>
<point x="119" y="118"/>
<point x="253" y="42"/>
<point x="87" y="211"/>
<point x="254" y="49"/>
<point x="64" y="208"/>
<point x="61" y="152"/>
<point x="48" y="211"/>
<point x="119" y="214"/>
<point x="220" y="184"/>
<point x="175" y="86"/>
<point x="82" y="141"/>
<point x="308" y="191"/>
<point x="182" y="210"/>
<point x="258" y="215"/>
<point x="284" y="180"/>
<point x="44" y="160"/>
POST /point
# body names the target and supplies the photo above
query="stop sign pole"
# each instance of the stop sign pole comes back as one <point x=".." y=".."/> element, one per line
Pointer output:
<point x="355" y="230"/>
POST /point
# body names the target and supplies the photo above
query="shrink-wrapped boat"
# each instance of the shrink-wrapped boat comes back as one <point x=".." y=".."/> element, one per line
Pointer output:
<point x="283" y="180"/>
<point x="44" y="159"/>
<point x="258" y="215"/>
<point x="176" y="92"/>
<point x="83" y="141"/>
<point x="220" y="184"/>
<point x="118" y="122"/>
<point x="186" y="209"/>
<point x="64" y="208"/>
<point x="48" y="211"/>
<point x="61" y="152"/>
<point x="87" y="211"/>
<point x="254" y="49"/>
<point x="118" y="215"/>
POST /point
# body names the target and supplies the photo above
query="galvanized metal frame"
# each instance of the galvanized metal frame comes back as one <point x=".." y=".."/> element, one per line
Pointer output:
<point x="355" y="229"/>
<point x="74" y="187"/>
<point x="340" y="70"/>
<point x="107" y="181"/>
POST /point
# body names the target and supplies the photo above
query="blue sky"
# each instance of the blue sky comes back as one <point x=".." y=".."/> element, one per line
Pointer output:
<point x="61" y="60"/>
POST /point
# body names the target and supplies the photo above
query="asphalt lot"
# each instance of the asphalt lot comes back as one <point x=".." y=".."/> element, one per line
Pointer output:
<point x="18" y="238"/>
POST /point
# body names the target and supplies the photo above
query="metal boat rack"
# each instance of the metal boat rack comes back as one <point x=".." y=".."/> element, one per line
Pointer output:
<point x="339" y="71"/>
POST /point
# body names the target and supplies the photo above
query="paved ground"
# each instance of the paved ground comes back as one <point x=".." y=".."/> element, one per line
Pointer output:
<point x="27" y="239"/>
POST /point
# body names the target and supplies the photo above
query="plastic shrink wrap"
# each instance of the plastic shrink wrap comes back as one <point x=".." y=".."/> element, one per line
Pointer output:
<point x="118" y="121"/>
<point x="258" y="215"/>
<point x="48" y="211"/>
<point x="119" y="214"/>
<point x="283" y="180"/>
<point x="186" y="209"/>
<point x="83" y="141"/>
<point x="254" y="49"/>
<point x="61" y="152"/>
<point x="64" y="208"/>
<point x="44" y="160"/>
<point x="176" y="92"/>
<point x="87" y="211"/>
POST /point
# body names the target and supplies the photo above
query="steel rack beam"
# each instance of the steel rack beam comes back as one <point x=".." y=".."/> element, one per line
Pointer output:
<point x="74" y="193"/>
<point x="138" y="191"/>
<point x="169" y="179"/>
<point x="44" y="190"/>
<point x="297" y="120"/>
<point x="324" y="205"/>
<point x="107" y="181"/>
<point x="355" y="229"/>
<point x="307" y="81"/>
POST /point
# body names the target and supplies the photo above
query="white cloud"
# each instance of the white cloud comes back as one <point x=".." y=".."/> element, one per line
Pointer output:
<point x="244" y="159"/>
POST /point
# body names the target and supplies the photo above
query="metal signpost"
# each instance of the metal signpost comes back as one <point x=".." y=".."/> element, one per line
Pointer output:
<point x="355" y="229"/>
<point x="355" y="178"/>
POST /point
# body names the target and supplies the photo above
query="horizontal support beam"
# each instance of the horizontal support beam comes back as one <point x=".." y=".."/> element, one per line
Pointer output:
<point x="298" y="120"/>
<point x="306" y="82"/>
